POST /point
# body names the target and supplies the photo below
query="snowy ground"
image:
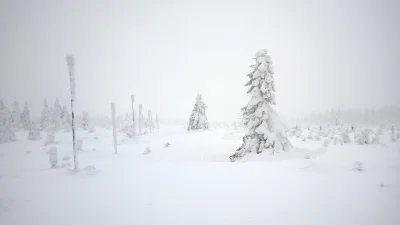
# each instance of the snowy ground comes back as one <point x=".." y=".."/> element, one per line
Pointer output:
<point x="192" y="182"/>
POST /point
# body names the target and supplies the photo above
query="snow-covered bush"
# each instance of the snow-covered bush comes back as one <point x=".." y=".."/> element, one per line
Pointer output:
<point x="198" y="119"/>
<point x="363" y="137"/>
<point x="375" y="139"/>
<point x="92" y="130"/>
<point x="85" y="120"/>
<point x="310" y="135"/>
<point x="265" y="131"/>
<point x="317" y="138"/>
<point x="327" y="142"/>
<point x="298" y="131"/>
<point x="166" y="145"/>
<point x="346" y="137"/>
<point x="49" y="139"/>
<point x="147" y="151"/>
<point x="34" y="132"/>
<point x="53" y="157"/>
<point x="338" y="139"/>
<point x="79" y="144"/>
<point x="66" y="158"/>
<point x="358" y="166"/>
<point x="6" y="132"/>
<point x="129" y="129"/>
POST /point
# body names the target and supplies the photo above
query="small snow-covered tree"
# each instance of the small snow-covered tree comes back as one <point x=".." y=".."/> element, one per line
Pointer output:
<point x="46" y="120"/>
<point x="85" y="120"/>
<point x="34" y="132"/>
<point x="57" y="120"/>
<point x="198" y="119"/>
<point x="16" y="116"/>
<point x="26" y="117"/>
<point x="6" y="132"/>
<point x="265" y="130"/>
<point x="65" y="117"/>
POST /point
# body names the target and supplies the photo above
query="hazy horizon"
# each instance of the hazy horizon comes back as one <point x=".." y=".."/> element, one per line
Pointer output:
<point x="326" y="55"/>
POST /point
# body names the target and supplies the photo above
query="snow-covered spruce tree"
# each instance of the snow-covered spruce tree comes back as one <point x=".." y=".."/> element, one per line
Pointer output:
<point x="85" y="120"/>
<point x="265" y="131"/>
<point x="16" y="116"/>
<point x="6" y="132"/>
<point x="57" y="121"/>
<point x="198" y="119"/>
<point x="26" y="117"/>
<point x="46" y="120"/>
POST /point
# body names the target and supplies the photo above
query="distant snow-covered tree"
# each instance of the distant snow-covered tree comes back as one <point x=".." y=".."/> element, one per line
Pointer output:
<point x="46" y="120"/>
<point x="57" y="111"/>
<point x="16" y="116"/>
<point x="26" y="117"/>
<point x="6" y="132"/>
<point x="85" y="120"/>
<point x="198" y="119"/>
<point x="265" y="130"/>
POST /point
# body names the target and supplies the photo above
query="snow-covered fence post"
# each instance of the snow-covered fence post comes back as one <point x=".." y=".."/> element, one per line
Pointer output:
<point x="114" y="127"/>
<point x="71" y="63"/>
<point x="149" y="119"/>
<point x="157" y="122"/>
<point x="133" y="115"/>
<point x="140" y="119"/>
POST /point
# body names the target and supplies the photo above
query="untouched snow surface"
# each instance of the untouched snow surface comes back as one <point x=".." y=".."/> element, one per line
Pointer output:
<point x="193" y="182"/>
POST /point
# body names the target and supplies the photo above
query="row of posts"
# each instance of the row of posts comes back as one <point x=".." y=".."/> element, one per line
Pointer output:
<point x="140" y="117"/>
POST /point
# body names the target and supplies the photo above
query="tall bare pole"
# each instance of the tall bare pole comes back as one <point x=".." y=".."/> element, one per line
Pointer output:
<point x="157" y="122"/>
<point x="150" y="120"/>
<point x="133" y="115"/>
<point x="71" y="64"/>
<point x="140" y="119"/>
<point x="133" y="112"/>
<point x="114" y="127"/>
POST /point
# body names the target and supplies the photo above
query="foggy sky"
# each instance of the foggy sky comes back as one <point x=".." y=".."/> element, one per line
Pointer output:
<point x="326" y="54"/>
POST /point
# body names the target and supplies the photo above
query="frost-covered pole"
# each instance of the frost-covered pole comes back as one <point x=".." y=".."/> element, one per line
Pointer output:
<point x="140" y="118"/>
<point x="133" y="115"/>
<point x="157" y="123"/>
<point x="149" y="120"/>
<point x="114" y="127"/>
<point x="71" y="63"/>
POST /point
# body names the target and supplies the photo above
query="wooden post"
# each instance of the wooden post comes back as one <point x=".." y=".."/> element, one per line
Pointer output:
<point x="114" y="127"/>
<point x="140" y="119"/>
<point x="71" y="64"/>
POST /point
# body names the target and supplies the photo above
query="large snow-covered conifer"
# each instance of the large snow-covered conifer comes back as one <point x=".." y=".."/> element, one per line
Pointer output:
<point x="16" y="116"/>
<point x="198" y="119"/>
<point x="46" y="120"/>
<point x="26" y="117"/>
<point x="6" y="132"/>
<point x="265" y="130"/>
